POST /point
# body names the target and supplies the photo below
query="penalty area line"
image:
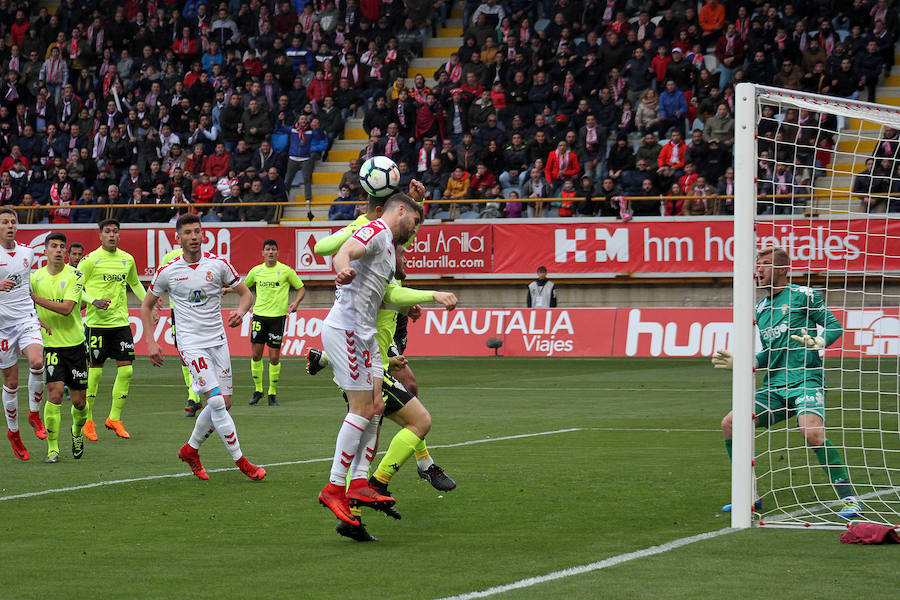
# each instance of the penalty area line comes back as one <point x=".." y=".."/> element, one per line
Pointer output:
<point x="307" y="461"/>
<point x="594" y="566"/>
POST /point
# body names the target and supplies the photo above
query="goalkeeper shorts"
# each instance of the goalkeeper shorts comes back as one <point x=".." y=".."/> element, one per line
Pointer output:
<point x="773" y="405"/>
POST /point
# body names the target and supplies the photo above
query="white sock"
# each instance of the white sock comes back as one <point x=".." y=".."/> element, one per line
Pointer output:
<point x="11" y="408"/>
<point x="368" y="444"/>
<point x="35" y="389"/>
<point x="345" y="448"/>
<point x="224" y="424"/>
<point x="202" y="428"/>
<point x="425" y="463"/>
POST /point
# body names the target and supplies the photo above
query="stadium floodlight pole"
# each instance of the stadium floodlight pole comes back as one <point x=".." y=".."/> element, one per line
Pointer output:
<point x="742" y="379"/>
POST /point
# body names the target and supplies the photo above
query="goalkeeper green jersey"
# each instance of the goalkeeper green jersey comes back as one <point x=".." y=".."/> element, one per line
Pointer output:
<point x="789" y="363"/>
<point x="273" y="284"/>
<point x="65" y="330"/>
<point x="106" y="274"/>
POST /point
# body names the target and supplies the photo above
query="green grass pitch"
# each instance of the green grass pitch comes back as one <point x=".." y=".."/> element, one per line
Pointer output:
<point x="560" y="463"/>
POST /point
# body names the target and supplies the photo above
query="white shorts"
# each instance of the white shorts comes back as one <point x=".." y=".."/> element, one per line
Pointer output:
<point x="210" y="368"/>
<point x="355" y="360"/>
<point x="18" y="337"/>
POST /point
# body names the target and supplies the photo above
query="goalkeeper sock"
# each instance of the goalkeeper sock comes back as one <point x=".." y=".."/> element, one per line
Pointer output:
<point x="274" y="372"/>
<point x="51" y="422"/>
<point x="256" y="371"/>
<point x="188" y="381"/>
<point x="728" y="444"/>
<point x="35" y="389"/>
<point x="423" y="458"/>
<point x="11" y="407"/>
<point x="830" y="459"/>
<point x="120" y="391"/>
<point x="79" y="417"/>
<point x="94" y="374"/>
<point x="401" y="448"/>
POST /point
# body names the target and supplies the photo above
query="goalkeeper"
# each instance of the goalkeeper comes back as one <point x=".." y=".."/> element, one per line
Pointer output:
<point x="794" y="382"/>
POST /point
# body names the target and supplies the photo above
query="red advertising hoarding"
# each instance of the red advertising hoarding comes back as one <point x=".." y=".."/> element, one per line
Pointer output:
<point x="438" y="249"/>
<point x="572" y="332"/>
<point x="701" y="247"/>
<point x="575" y="247"/>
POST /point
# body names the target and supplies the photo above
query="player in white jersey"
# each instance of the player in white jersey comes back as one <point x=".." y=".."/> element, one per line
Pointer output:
<point x="20" y="331"/>
<point x="364" y="266"/>
<point x="194" y="282"/>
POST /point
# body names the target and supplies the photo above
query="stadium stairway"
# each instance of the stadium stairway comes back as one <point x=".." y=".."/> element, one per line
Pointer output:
<point x="857" y="142"/>
<point x="327" y="174"/>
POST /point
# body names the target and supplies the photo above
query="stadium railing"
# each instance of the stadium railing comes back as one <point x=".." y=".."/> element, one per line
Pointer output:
<point x="455" y="206"/>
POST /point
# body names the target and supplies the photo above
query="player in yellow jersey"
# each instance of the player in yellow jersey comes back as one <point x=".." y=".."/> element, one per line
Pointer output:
<point x="194" y="404"/>
<point x="56" y="290"/>
<point x="107" y="271"/>
<point x="273" y="281"/>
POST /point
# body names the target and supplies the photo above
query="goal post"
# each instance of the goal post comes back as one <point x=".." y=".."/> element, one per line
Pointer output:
<point x="802" y="183"/>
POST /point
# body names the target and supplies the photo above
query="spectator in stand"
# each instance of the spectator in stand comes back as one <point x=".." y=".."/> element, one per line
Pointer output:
<point x="868" y="66"/>
<point x="273" y="184"/>
<point x="536" y="186"/>
<point x="435" y="182"/>
<point x="673" y="153"/>
<point x="726" y="187"/>
<point x="216" y="164"/>
<point x="457" y="185"/>
<point x="720" y="127"/>
<point x="672" y="109"/>
<point x="515" y="164"/>
<point x="481" y="181"/>
<point x="562" y="164"/>
<point x="702" y="202"/>
<point x="730" y="52"/>
<point x="257" y="212"/>
<point x="712" y="20"/>
<point x="620" y="159"/>
<point x="342" y="207"/>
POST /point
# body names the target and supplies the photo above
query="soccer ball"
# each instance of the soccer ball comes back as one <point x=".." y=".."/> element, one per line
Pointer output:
<point x="379" y="176"/>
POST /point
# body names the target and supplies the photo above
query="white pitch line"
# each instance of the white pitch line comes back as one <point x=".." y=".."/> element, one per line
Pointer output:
<point x="277" y="464"/>
<point x="594" y="566"/>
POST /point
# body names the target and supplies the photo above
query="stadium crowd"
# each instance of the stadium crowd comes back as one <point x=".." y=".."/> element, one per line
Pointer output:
<point x="175" y="104"/>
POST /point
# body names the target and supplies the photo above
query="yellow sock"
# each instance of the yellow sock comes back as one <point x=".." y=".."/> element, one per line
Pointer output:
<point x="402" y="447"/>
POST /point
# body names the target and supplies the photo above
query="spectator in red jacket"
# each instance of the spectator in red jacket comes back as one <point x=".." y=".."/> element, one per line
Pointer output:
<point x="672" y="154"/>
<point x="481" y="182"/>
<point x="216" y="164"/>
<point x="561" y="165"/>
<point x="185" y="47"/>
<point x="318" y="88"/>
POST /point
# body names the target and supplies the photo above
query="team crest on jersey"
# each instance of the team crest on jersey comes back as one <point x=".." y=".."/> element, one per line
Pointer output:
<point x="124" y="263"/>
<point x="62" y="285"/>
<point x="784" y="309"/>
<point x="209" y="276"/>
<point x="201" y="381"/>
<point x="25" y="262"/>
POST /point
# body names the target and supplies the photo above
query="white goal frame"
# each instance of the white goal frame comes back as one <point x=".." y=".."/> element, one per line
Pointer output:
<point x="747" y="102"/>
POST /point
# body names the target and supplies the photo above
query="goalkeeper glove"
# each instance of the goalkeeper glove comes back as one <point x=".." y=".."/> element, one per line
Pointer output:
<point x="810" y="342"/>
<point x="723" y="359"/>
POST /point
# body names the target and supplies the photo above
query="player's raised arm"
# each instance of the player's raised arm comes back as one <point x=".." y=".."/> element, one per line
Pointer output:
<point x="329" y="246"/>
<point x="236" y="316"/>
<point x="396" y="296"/>
<point x="349" y="251"/>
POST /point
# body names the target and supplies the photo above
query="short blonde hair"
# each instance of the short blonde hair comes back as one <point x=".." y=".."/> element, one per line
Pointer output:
<point x="779" y="256"/>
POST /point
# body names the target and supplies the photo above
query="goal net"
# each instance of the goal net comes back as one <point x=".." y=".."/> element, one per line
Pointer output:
<point x="818" y="177"/>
